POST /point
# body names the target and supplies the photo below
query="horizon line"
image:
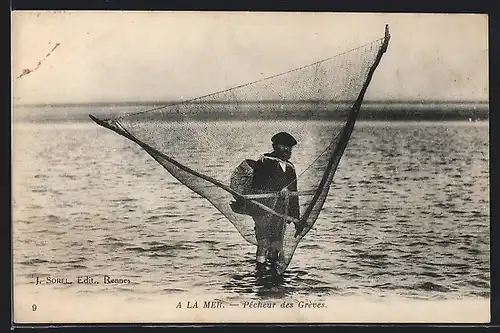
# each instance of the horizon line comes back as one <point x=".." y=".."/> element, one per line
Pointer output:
<point x="174" y="102"/>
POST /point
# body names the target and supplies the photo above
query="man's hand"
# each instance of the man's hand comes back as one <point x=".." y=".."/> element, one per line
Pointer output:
<point x="298" y="229"/>
<point x="284" y="193"/>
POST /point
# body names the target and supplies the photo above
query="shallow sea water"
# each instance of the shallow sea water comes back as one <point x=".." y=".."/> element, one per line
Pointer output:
<point x="407" y="215"/>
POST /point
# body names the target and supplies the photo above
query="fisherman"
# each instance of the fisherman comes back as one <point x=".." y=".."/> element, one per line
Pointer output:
<point x="274" y="173"/>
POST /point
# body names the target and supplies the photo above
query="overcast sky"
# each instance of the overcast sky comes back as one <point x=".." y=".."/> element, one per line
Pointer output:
<point x="144" y="56"/>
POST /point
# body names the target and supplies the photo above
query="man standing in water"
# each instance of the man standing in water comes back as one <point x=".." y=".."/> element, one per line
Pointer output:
<point x="274" y="173"/>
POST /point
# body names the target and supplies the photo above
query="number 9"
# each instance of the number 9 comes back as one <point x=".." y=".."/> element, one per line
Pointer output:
<point x="33" y="307"/>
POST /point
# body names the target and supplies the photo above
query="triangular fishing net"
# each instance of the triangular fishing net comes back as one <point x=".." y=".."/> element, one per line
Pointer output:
<point x="203" y="142"/>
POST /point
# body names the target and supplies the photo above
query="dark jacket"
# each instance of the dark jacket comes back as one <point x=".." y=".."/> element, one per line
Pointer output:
<point x="269" y="177"/>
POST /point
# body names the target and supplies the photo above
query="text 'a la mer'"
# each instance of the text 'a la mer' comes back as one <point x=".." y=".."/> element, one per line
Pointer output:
<point x="203" y="305"/>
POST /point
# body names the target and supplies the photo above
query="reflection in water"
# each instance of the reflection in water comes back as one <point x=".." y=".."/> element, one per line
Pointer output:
<point x="262" y="284"/>
<point x="293" y="282"/>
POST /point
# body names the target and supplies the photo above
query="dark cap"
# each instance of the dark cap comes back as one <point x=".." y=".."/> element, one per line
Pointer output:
<point x="284" y="138"/>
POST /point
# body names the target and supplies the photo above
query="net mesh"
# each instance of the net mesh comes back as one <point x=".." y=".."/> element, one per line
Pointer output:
<point x="201" y="141"/>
